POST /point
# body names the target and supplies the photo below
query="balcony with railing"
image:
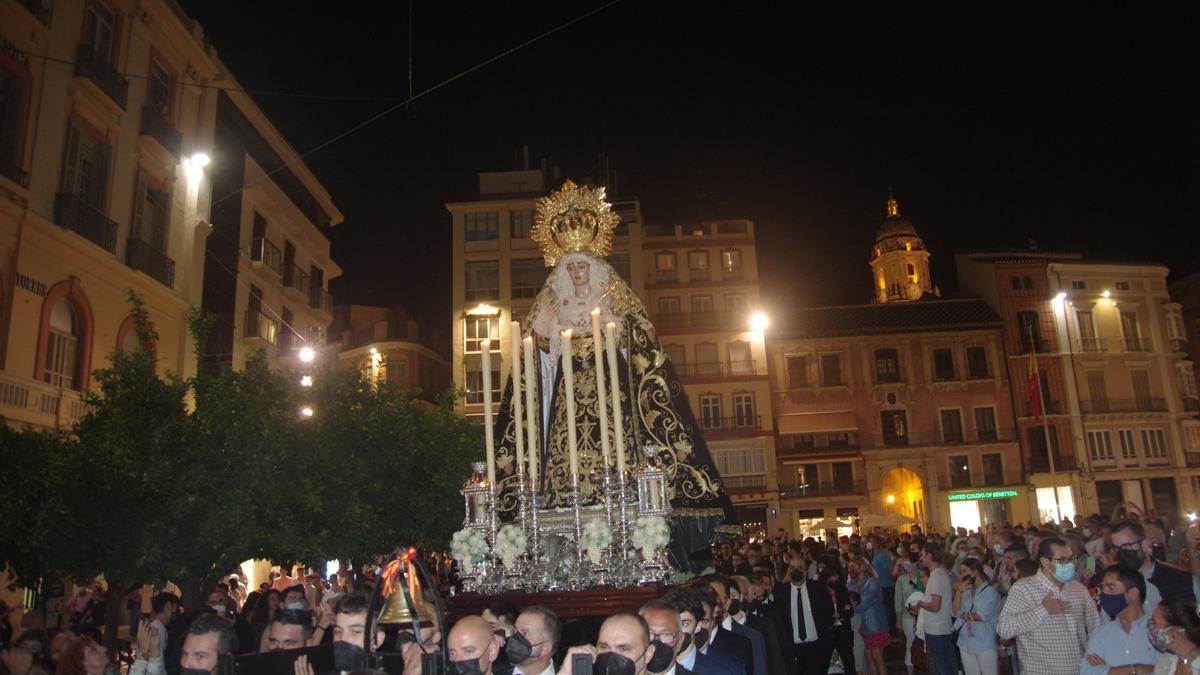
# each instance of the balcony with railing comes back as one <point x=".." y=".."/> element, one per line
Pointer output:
<point x="266" y="254"/>
<point x="96" y="67"/>
<point x="699" y="275"/>
<point x="10" y="169"/>
<point x="38" y="10"/>
<point x="74" y="214"/>
<point x="1135" y="344"/>
<point x="1120" y="405"/>
<point x="1179" y="345"/>
<point x="1091" y="344"/>
<point x="158" y="126"/>
<point x="142" y="256"/>
<point x="735" y="423"/>
<point x="1025" y="346"/>
<point x="320" y="299"/>
<point x="665" y="276"/>
<point x="1051" y="407"/>
<point x="294" y="277"/>
<point x="39" y="404"/>
<point x="832" y="489"/>
<point x="744" y="483"/>
<point x="259" y="326"/>
<point x="1191" y="403"/>
<point x="719" y="369"/>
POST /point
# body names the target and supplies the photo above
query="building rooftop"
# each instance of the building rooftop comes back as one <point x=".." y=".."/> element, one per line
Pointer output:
<point x="879" y="319"/>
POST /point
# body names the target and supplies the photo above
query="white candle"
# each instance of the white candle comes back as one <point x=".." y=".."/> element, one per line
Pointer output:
<point x="515" y="371"/>
<point x="601" y="389"/>
<point x="532" y="416"/>
<point x="569" y="385"/>
<point x="610" y="343"/>
<point x="488" y="432"/>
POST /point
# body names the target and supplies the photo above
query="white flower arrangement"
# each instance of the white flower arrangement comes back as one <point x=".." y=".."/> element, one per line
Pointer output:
<point x="510" y="544"/>
<point x="650" y="535"/>
<point x="597" y="536"/>
<point x="468" y="547"/>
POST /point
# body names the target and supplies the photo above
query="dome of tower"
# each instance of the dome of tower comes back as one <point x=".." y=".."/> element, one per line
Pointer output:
<point x="894" y="225"/>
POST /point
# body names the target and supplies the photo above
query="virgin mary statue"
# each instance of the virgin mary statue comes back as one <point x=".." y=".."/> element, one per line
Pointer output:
<point x="574" y="229"/>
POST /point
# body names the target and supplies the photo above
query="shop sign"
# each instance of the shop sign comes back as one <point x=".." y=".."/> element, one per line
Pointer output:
<point x="31" y="285"/>
<point x="992" y="494"/>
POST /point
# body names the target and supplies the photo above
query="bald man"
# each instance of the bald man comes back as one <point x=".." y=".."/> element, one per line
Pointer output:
<point x="471" y="639"/>
<point x="623" y="637"/>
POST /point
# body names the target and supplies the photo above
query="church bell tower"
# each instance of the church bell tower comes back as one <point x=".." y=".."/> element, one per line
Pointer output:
<point x="899" y="260"/>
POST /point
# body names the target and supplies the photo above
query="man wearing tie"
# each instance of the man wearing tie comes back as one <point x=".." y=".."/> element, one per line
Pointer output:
<point x="804" y="611"/>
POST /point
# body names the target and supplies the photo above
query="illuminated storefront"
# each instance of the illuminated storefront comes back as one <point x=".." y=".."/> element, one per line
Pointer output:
<point x="975" y="508"/>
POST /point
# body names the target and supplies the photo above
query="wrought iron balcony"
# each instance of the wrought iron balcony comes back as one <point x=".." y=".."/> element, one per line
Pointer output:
<point x="718" y="369"/>
<point x="72" y="213"/>
<point x="699" y="275"/>
<point x="96" y="67"/>
<point x="319" y="298"/>
<point x="262" y="327"/>
<point x="744" y="483"/>
<point x="1191" y="404"/>
<point x="1052" y="407"/>
<point x="294" y="277"/>
<point x="1091" y="344"/>
<point x="666" y="276"/>
<point x="158" y="126"/>
<point x="11" y="170"/>
<point x="815" y="489"/>
<point x="142" y="256"/>
<point x="1135" y="344"/>
<point x="264" y="252"/>
<point x="1111" y="405"/>
<point x="735" y="423"/>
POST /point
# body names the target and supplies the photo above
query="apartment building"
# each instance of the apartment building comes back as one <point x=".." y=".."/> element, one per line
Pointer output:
<point x="387" y="345"/>
<point x="1120" y="396"/>
<point x="108" y="112"/>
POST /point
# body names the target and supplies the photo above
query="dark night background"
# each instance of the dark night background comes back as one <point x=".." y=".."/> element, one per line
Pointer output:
<point x="1073" y="125"/>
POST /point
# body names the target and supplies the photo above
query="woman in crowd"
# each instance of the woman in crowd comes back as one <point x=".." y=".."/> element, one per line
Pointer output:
<point x="976" y="606"/>
<point x="1175" y="631"/>
<point x="264" y="614"/>
<point x="908" y="581"/>
<point x="85" y="657"/>
<point x="874" y="620"/>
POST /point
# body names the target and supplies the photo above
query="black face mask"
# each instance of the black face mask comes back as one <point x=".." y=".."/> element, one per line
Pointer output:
<point x="687" y="642"/>
<point x="1131" y="559"/>
<point x="194" y="671"/>
<point x="518" y="649"/>
<point x="470" y="667"/>
<point x="735" y="606"/>
<point x="701" y="638"/>
<point x="663" y="657"/>
<point x="612" y="663"/>
<point x="797" y="576"/>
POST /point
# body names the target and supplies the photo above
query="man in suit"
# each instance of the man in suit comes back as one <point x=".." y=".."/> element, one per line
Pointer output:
<point x="695" y="635"/>
<point x="723" y="641"/>
<point x="666" y="626"/>
<point x="804" y="612"/>
<point x="747" y="593"/>
<point x="726" y="591"/>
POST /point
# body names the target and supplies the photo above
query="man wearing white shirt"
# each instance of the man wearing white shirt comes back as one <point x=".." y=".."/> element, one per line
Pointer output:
<point x="152" y="643"/>
<point x="804" y="614"/>
<point x="542" y="629"/>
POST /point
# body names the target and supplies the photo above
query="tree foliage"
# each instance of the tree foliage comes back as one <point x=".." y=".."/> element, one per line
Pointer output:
<point x="166" y="478"/>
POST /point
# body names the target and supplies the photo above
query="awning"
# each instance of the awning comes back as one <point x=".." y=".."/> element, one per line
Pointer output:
<point x="820" y="422"/>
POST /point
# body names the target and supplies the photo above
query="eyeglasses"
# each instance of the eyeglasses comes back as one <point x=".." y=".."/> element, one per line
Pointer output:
<point x="1131" y="546"/>
<point x="663" y="635"/>
<point x="1062" y="561"/>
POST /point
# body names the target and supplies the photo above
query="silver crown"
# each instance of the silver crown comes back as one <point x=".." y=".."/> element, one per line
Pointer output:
<point x="479" y="468"/>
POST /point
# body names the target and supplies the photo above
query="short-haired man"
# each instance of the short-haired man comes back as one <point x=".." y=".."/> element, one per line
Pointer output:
<point x="1050" y="614"/>
<point x="290" y="629"/>
<point x="1163" y="582"/>
<point x="222" y="605"/>
<point x="350" y="621"/>
<point x="1123" y="644"/>
<point x="208" y="639"/>
<point x="293" y="598"/>
<point x="666" y="627"/>
<point x="623" y="638"/>
<point x="741" y="592"/>
<point x="939" y="633"/>
<point x="501" y="616"/>
<point x="471" y="639"/>
<point x="804" y="612"/>
<point x="736" y="649"/>
<point x="152" y="636"/>
<point x="695" y="634"/>
<point x="730" y="602"/>
<point x="541" y="629"/>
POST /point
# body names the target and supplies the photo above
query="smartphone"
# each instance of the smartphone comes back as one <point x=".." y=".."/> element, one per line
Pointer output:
<point x="581" y="664"/>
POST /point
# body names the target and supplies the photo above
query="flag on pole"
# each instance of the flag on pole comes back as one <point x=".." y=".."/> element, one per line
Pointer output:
<point x="1033" y="386"/>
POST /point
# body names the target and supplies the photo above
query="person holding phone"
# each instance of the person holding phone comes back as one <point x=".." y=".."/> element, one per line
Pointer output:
<point x="976" y="607"/>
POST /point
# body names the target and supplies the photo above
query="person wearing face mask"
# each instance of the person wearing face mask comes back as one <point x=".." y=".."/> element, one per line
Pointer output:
<point x="804" y="612"/>
<point x="834" y="577"/>
<point x="744" y="592"/>
<point x="666" y="629"/>
<point x="293" y="598"/>
<point x="907" y="582"/>
<point x="1174" y="630"/>
<point x="694" y="635"/>
<point x="882" y="561"/>
<point x="208" y="639"/>
<point x="472" y="647"/>
<point x="873" y="628"/>
<point x="976" y="606"/>
<point x="729" y="603"/>
<point x="1122" y="645"/>
<point x="152" y="636"/>
<point x="532" y="645"/>
<point x="1163" y="582"/>
<point x="1050" y="614"/>
<point x="623" y="648"/>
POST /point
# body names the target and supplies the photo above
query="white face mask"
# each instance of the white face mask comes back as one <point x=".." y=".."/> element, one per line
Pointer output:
<point x="1087" y="532"/>
<point x="295" y="605"/>
<point x="219" y="609"/>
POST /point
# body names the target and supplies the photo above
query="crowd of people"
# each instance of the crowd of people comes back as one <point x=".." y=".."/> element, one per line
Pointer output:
<point x="1090" y="596"/>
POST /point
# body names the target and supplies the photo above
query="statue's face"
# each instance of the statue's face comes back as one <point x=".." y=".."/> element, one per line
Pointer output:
<point x="580" y="272"/>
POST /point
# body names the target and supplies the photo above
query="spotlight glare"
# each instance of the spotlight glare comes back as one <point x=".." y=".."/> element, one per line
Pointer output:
<point x="307" y="354"/>
<point x="306" y="411"/>
<point x="306" y="381"/>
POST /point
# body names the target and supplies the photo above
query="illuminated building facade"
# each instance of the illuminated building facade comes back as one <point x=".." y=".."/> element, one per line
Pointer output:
<point x="899" y="260"/>
<point x="387" y="346"/>
<point x="103" y="188"/>
<point x="1120" y="394"/>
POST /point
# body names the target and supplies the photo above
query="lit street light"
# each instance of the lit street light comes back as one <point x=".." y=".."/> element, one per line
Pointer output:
<point x="307" y="354"/>
<point x="759" y="321"/>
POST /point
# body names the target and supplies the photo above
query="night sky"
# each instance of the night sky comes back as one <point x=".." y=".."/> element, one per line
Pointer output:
<point x="1075" y="126"/>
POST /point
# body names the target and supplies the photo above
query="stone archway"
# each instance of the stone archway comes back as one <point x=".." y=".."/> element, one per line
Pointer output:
<point x="903" y="492"/>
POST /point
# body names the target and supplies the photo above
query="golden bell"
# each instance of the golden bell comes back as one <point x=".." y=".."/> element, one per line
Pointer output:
<point x="397" y="612"/>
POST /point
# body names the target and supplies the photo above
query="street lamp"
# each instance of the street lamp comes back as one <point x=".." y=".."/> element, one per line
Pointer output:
<point x="306" y="381"/>
<point x="759" y="321"/>
<point x="307" y="411"/>
<point x="307" y="354"/>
